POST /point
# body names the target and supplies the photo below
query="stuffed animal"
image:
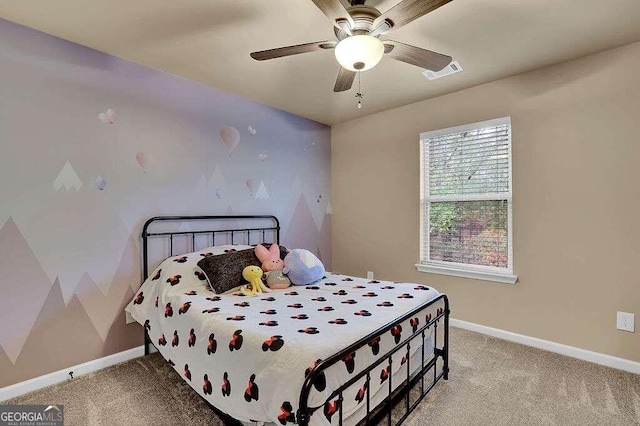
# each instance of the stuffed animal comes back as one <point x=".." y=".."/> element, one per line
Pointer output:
<point x="253" y="274"/>
<point x="277" y="280"/>
<point x="303" y="267"/>
<point x="272" y="266"/>
<point x="270" y="258"/>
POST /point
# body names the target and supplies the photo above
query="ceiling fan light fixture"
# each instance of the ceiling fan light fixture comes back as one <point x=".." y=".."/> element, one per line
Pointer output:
<point x="359" y="52"/>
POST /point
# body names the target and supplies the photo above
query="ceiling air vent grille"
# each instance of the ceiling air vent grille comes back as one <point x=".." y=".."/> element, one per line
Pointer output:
<point x="452" y="68"/>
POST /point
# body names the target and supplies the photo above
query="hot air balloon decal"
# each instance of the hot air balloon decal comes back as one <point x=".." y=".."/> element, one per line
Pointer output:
<point x="100" y="183"/>
<point x="107" y="117"/>
<point x="144" y="160"/>
<point x="251" y="185"/>
<point x="230" y="137"/>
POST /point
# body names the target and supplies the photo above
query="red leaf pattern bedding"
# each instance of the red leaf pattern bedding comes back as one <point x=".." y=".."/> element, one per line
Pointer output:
<point x="249" y="356"/>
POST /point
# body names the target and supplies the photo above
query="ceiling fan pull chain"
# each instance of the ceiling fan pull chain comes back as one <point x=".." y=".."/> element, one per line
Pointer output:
<point x="359" y="95"/>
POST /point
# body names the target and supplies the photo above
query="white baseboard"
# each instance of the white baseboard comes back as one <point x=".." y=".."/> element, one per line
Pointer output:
<point x="36" y="383"/>
<point x="583" y="354"/>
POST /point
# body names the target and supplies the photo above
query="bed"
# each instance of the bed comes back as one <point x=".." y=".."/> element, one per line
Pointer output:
<point x="344" y="350"/>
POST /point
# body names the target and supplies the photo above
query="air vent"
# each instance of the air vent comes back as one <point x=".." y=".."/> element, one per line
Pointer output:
<point x="452" y="68"/>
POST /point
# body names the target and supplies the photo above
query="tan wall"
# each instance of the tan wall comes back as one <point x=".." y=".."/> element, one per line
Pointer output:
<point x="576" y="198"/>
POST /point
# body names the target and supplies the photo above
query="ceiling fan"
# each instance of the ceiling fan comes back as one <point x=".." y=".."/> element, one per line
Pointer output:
<point x="358" y="28"/>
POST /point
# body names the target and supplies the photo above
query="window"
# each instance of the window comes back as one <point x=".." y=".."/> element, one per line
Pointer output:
<point x="465" y="204"/>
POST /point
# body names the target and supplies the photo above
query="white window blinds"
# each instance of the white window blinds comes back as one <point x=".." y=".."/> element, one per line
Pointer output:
<point x="466" y="197"/>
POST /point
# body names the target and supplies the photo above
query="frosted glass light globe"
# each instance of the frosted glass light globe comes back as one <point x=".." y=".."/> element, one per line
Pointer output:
<point x="359" y="52"/>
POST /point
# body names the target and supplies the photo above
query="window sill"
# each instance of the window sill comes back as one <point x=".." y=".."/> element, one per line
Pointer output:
<point x="466" y="273"/>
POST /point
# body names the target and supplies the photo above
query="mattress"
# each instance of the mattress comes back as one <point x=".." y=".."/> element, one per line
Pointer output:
<point x="249" y="356"/>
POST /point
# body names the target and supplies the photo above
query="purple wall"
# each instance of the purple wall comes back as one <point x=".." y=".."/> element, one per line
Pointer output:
<point x="78" y="182"/>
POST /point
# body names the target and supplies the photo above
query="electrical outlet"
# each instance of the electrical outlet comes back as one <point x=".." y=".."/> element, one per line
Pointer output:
<point x="625" y="321"/>
<point x="369" y="275"/>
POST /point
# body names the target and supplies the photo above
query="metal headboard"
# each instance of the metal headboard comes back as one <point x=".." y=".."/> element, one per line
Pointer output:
<point x="217" y="220"/>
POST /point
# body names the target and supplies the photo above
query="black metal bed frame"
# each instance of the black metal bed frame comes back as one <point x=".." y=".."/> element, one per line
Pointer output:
<point x="373" y="414"/>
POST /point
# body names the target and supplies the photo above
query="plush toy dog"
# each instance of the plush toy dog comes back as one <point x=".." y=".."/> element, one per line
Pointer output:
<point x="272" y="265"/>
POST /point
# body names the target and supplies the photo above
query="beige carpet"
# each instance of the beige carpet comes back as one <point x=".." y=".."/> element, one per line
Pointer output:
<point x="492" y="382"/>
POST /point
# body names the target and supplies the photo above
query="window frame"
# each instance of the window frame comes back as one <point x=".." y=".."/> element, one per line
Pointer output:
<point x="482" y="272"/>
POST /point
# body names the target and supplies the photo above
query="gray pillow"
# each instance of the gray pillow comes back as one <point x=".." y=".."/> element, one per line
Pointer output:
<point x="224" y="271"/>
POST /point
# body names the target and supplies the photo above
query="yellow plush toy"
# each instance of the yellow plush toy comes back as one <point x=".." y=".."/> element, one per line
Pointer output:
<point x="253" y="274"/>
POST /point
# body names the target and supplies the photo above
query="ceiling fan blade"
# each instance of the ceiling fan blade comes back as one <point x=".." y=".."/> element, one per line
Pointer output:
<point x="292" y="50"/>
<point x="344" y="80"/>
<point x="407" y="11"/>
<point x="416" y="56"/>
<point x="336" y="10"/>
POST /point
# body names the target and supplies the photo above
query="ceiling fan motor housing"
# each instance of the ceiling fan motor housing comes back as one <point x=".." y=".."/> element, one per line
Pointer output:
<point x="363" y="17"/>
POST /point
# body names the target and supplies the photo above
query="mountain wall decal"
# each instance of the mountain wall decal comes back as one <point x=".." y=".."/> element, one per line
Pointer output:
<point x="24" y="287"/>
<point x="324" y="239"/>
<point x="302" y="232"/>
<point x="67" y="178"/>
<point x="61" y="337"/>
<point x="103" y="309"/>
<point x="261" y="193"/>
<point x="8" y="370"/>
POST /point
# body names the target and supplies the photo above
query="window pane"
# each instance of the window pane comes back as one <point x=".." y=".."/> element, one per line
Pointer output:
<point x="472" y="232"/>
<point x="470" y="162"/>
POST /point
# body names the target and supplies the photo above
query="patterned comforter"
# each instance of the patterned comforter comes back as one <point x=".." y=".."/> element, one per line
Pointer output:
<point x="249" y="356"/>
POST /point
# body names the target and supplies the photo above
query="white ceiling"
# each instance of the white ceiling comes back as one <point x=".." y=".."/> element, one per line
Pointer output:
<point x="210" y="40"/>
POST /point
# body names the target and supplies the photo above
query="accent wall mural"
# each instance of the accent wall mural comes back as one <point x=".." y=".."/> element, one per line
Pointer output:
<point x="92" y="145"/>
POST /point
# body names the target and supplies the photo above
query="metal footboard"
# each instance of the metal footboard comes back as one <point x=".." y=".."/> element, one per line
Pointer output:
<point x="403" y="390"/>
